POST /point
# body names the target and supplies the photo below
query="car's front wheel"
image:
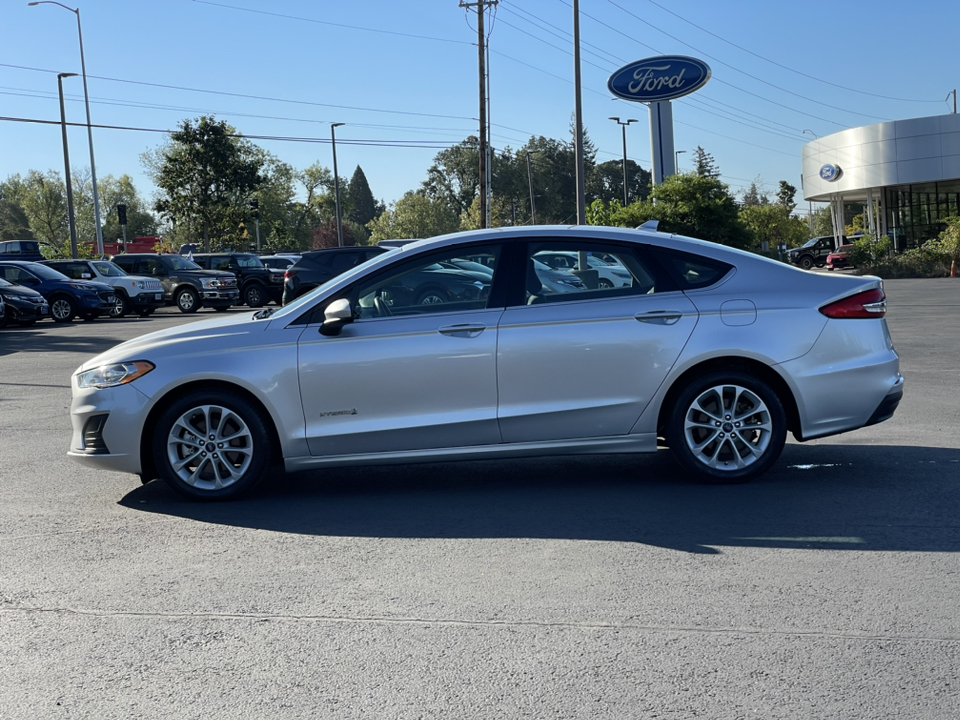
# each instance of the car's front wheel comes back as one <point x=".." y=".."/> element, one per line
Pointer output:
<point x="121" y="306"/>
<point x="212" y="446"/>
<point x="727" y="427"/>
<point x="806" y="262"/>
<point x="188" y="301"/>
<point x="63" y="309"/>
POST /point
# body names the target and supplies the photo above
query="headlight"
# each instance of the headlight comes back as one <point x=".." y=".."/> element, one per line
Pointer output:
<point x="207" y="283"/>
<point x="116" y="374"/>
<point x="84" y="289"/>
<point x="141" y="285"/>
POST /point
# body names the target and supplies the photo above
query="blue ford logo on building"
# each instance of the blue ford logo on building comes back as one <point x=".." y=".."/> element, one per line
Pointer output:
<point x="830" y="172"/>
<point x="659" y="78"/>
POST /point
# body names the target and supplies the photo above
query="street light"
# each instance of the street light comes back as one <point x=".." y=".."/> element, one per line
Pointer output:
<point x="66" y="166"/>
<point x="676" y="161"/>
<point x="624" y="126"/>
<point x="86" y="99"/>
<point x="336" y="181"/>
<point x="812" y="133"/>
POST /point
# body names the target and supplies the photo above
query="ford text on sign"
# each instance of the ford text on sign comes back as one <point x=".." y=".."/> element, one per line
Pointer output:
<point x="659" y="78"/>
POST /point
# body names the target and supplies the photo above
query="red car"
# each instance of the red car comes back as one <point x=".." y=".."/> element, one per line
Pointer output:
<point x="840" y="258"/>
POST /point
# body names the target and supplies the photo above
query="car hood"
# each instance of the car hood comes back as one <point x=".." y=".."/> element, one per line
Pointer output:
<point x="145" y="346"/>
<point x="18" y="291"/>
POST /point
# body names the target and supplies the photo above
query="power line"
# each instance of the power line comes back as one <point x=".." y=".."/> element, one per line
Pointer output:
<point x="250" y="97"/>
<point x="332" y="24"/>
<point x="754" y="77"/>
<point x="785" y="67"/>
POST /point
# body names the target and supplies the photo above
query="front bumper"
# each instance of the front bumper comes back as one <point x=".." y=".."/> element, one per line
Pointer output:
<point x="147" y="300"/>
<point x="114" y="443"/>
<point x="101" y="303"/>
<point x="220" y="297"/>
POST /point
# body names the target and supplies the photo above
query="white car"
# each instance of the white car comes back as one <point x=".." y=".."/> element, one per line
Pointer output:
<point x="610" y="273"/>
<point x="718" y="352"/>
<point x="133" y="293"/>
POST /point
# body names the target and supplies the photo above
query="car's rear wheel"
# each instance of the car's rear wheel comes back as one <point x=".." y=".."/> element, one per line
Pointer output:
<point x="806" y="262"/>
<point x="188" y="301"/>
<point x="431" y="297"/>
<point x="727" y="427"/>
<point x="62" y="309"/>
<point x="212" y="446"/>
<point x="254" y="296"/>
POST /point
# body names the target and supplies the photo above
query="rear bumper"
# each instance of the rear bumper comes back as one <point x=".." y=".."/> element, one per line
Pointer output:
<point x="888" y="405"/>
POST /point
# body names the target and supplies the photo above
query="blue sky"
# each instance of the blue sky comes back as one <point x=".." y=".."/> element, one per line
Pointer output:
<point x="403" y="77"/>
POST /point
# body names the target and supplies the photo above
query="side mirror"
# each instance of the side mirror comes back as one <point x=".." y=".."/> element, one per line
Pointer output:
<point x="337" y="314"/>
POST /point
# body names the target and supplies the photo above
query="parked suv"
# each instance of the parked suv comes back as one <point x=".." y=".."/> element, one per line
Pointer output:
<point x="68" y="298"/>
<point x="141" y="295"/>
<point x="316" y="267"/>
<point x="28" y="250"/>
<point x="185" y="284"/>
<point x="258" y="284"/>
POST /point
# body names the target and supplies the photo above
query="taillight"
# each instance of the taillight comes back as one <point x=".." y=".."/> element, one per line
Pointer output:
<point x="289" y="274"/>
<point x="868" y="304"/>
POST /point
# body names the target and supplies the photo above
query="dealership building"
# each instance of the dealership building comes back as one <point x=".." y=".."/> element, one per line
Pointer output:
<point x="905" y="172"/>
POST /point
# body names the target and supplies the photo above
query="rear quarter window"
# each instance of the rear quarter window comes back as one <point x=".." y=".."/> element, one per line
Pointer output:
<point x="692" y="272"/>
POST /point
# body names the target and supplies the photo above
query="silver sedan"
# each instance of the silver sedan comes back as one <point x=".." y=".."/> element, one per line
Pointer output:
<point x="716" y="352"/>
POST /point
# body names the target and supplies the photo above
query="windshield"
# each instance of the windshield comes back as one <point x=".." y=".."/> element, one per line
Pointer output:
<point x="248" y="261"/>
<point x="47" y="273"/>
<point x="108" y="269"/>
<point x="178" y="262"/>
<point x="813" y="242"/>
<point x="5" y="283"/>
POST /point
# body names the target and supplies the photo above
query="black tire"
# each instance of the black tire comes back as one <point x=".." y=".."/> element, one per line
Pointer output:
<point x="62" y="308"/>
<point x="227" y="455"/>
<point x="121" y="305"/>
<point x="431" y="297"/>
<point x="3" y="321"/>
<point x="806" y="262"/>
<point x="604" y="284"/>
<point x="727" y="427"/>
<point x="254" y="295"/>
<point x="187" y="300"/>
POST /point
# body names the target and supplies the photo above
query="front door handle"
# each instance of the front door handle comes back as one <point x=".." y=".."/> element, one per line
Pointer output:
<point x="468" y="330"/>
<point x="660" y="317"/>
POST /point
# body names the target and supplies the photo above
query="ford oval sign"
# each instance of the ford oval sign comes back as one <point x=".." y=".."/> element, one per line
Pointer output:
<point x="659" y="78"/>
<point x="830" y="173"/>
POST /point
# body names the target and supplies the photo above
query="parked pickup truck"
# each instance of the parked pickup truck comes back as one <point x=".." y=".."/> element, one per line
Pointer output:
<point x="259" y="285"/>
<point x="133" y="293"/>
<point x="185" y="284"/>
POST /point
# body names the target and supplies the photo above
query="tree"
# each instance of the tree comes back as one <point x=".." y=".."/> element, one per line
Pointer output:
<point x="121" y="191"/>
<point x="696" y="205"/>
<point x="454" y="177"/>
<point x="14" y="223"/>
<point x="785" y="195"/>
<point x="363" y="206"/>
<point x="704" y="164"/>
<point x="752" y="197"/>
<point x="772" y="225"/>
<point x="415" y="215"/>
<point x="205" y="175"/>
<point x="42" y="200"/>
<point x="606" y="182"/>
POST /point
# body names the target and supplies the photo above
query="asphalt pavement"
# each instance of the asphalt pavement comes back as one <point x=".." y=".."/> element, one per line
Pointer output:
<point x="588" y="587"/>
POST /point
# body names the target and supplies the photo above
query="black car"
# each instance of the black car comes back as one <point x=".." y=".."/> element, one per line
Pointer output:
<point x="68" y="298"/>
<point x="259" y="285"/>
<point x="316" y="267"/>
<point x="23" y="305"/>
<point x="185" y="284"/>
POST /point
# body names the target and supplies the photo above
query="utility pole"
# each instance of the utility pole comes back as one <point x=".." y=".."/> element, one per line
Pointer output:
<point x="533" y="205"/>
<point x="578" y="131"/>
<point x="481" y="6"/>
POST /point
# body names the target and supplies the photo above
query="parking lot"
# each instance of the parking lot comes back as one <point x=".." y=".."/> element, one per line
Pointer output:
<point x="586" y="587"/>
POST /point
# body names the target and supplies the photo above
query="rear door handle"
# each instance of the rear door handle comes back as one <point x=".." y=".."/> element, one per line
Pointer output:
<point x="468" y="330"/>
<point x="660" y="317"/>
